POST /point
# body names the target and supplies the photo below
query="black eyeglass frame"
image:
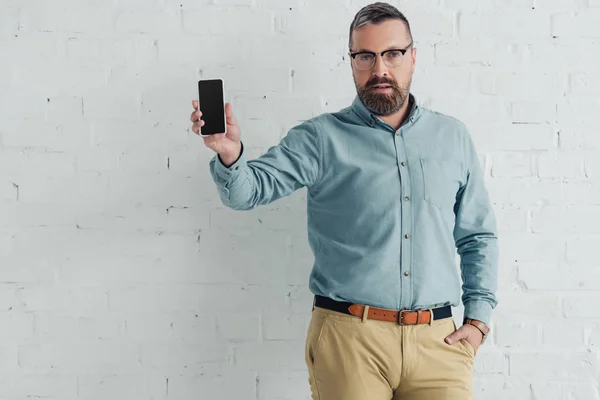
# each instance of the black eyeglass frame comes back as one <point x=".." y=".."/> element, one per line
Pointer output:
<point x="375" y="54"/>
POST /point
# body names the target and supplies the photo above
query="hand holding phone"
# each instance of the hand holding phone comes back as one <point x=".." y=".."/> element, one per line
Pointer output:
<point x="221" y="137"/>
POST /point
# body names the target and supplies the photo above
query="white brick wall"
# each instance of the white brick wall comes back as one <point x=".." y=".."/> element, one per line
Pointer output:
<point x="122" y="275"/>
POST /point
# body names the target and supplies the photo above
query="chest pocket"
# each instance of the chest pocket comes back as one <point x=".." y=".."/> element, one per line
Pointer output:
<point x="441" y="181"/>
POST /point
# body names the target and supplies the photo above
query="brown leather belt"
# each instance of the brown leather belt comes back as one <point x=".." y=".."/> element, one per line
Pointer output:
<point x="402" y="317"/>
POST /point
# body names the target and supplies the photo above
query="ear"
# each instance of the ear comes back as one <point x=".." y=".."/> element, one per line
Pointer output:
<point x="413" y="59"/>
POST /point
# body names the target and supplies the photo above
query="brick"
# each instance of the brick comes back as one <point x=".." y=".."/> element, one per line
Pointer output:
<point x="72" y="20"/>
<point x="531" y="86"/>
<point x="77" y="301"/>
<point x="246" y="258"/>
<point x="513" y="387"/>
<point x="530" y="112"/>
<point x="488" y="5"/>
<point x="578" y="137"/>
<point x="68" y="357"/>
<point x="9" y="20"/>
<point x="255" y="298"/>
<point x="582" y="250"/>
<point x="591" y="166"/>
<point x="20" y="326"/>
<point x="584" y="83"/>
<point x="209" y="20"/>
<point x="332" y="22"/>
<point x="571" y="220"/>
<point x="278" y="326"/>
<point x="433" y="24"/>
<point x="447" y="79"/>
<point x="40" y="385"/>
<point x="554" y="365"/>
<point x="581" y="193"/>
<point x="538" y="305"/>
<point x="478" y="52"/>
<point x="24" y="102"/>
<point x="111" y="105"/>
<point x="180" y="357"/>
<point x="580" y="391"/>
<point x="516" y="165"/>
<point x="577" y="53"/>
<point x="523" y="137"/>
<point x="550" y="277"/>
<point x="39" y="163"/>
<point x="511" y="333"/>
<point x="532" y="25"/>
<point x="53" y="135"/>
<point x="49" y="326"/>
<point x="231" y="384"/>
<point x="560" y="334"/>
<point x="561" y="5"/>
<point x="512" y="219"/>
<point x="188" y="327"/>
<point x="527" y="247"/>
<point x="580" y="25"/>
<point x="470" y="109"/>
<point x="563" y="164"/>
<point x="131" y="385"/>
<point x="283" y="385"/>
<point x="271" y="356"/>
<point x="138" y="297"/>
<point x="239" y="326"/>
<point x="160" y="21"/>
<point x="581" y="306"/>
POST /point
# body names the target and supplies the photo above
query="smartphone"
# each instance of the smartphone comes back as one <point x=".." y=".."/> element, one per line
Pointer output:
<point x="211" y="102"/>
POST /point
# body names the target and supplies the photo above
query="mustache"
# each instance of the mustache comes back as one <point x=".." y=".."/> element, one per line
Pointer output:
<point x="380" y="81"/>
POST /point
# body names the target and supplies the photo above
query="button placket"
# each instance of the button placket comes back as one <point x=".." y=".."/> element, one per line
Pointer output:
<point x="406" y="223"/>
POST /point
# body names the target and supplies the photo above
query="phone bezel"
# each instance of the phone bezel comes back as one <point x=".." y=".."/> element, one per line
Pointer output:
<point x="224" y="117"/>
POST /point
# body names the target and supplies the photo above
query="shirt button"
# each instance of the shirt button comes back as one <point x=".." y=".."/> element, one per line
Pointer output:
<point x="407" y="236"/>
<point x="406" y="198"/>
<point x="403" y="163"/>
<point x="406" y="273"/>
<point x="397" y="132"/>
<point x="372" y="123"/>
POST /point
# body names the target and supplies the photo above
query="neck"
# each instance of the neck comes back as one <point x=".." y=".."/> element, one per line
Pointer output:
<point x="396" y="119"/>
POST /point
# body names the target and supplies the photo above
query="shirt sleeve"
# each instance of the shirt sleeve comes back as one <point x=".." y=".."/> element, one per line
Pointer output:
<point x="293" y="163"/>
<point x="475" y="235"/>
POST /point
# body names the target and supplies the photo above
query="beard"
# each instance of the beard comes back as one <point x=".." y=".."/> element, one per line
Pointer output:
<point x="383" y="104"/>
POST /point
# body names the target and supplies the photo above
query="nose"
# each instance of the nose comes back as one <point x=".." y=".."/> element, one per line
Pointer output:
<point x="379" y="69"/>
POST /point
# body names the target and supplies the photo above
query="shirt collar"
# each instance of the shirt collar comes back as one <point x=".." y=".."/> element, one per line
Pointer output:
<point x="366" y="115"/>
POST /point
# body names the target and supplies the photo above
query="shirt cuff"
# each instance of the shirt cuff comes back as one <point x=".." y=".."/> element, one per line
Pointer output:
<point x="479" y="310"/>
<point x="228" y="173"/>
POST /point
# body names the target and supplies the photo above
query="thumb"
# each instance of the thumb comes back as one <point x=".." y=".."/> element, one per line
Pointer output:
<point x="229" y="115"/>
<point x="455" y="336"/>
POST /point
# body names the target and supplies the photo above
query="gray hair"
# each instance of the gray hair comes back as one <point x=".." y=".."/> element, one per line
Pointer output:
<point x="374" y="14"/>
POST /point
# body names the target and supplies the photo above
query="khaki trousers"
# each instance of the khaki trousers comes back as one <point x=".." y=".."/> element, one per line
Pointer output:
<point x="349" y="359"/>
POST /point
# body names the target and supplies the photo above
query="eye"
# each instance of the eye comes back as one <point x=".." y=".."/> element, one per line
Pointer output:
<point x="394" y="54"/>
<point x="365" y="57"/>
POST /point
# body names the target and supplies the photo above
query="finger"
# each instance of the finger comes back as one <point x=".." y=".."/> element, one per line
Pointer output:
<point x="197" y="125"/>
<point x="195" y="104"/>
<point x="229" y="115"/>
<point x="196" y="115"/>
<point x="455" y="337"/>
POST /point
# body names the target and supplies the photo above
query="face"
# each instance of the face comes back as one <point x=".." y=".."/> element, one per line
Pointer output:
<point x="383" y="89"/>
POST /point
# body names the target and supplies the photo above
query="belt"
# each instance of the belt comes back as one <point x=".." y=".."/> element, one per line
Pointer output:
<point x="402" y="317"/>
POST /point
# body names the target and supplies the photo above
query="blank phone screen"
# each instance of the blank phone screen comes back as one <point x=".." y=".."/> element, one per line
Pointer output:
<point x="211" y="104"/>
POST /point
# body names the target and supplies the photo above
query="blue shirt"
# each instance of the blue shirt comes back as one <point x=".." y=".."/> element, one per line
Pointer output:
<point x="387" y="209"/>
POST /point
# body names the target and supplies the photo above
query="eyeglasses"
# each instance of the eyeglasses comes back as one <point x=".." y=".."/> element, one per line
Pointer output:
<point x="365" y="60"/>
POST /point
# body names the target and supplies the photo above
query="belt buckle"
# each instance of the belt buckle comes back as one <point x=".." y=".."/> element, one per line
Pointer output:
<point x="401" y="317"/>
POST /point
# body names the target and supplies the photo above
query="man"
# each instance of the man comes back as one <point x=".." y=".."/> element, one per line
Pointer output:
<point x="393" y="191"/>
